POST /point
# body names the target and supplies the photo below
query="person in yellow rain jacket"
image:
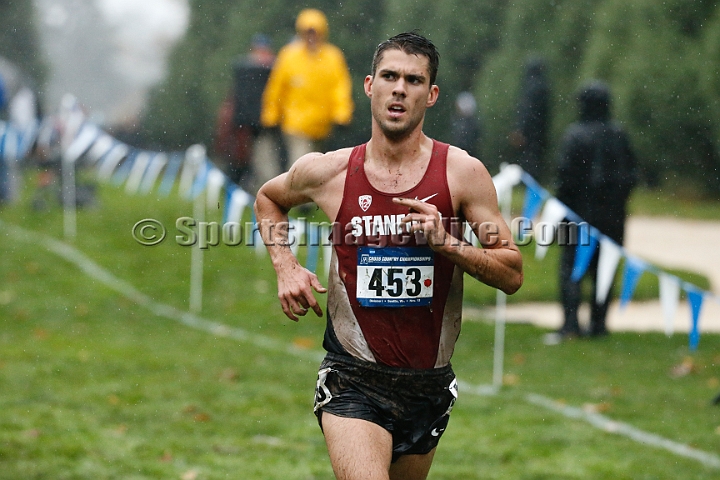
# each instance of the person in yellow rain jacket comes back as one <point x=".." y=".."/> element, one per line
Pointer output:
<point x="309" y="89"/>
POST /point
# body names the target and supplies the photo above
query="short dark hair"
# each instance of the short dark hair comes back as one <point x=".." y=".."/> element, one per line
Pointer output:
<point x="411" y="43"/>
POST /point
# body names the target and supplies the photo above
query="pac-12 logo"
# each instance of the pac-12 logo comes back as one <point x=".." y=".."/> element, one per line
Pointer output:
<point x="365" y="201"/>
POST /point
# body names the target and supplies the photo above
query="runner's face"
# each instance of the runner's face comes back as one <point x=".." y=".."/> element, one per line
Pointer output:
<point x="400" y="92"/>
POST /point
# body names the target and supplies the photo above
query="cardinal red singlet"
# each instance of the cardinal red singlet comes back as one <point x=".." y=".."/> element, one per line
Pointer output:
<point x="392" y="300"/>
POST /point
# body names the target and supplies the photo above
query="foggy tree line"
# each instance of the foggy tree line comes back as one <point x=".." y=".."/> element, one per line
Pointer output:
<point x="659" y="58"/>
<point x="19" y="41"/>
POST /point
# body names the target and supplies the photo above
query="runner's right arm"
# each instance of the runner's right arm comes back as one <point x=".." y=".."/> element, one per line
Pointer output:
<point x="272" y="204"/>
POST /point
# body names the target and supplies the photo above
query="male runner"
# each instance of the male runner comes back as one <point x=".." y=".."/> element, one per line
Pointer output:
<point x="386" y="388"/>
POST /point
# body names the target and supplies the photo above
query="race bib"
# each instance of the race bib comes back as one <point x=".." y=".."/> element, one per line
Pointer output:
<point x="395" y="276"/>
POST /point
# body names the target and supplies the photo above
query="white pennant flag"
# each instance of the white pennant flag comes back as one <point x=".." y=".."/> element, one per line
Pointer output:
<point x="215" y="182"/>
<point x="504" y="182"/>
<point x="610" y="253"/>
<point x="299" y="228"/>
<point x="469" y="236"/>
<point x="102" y="145"/>
<point x="111" y="160"/>
<point x="87" y="136"/>
<point x="192" y="165"/>
<point x="669" y="298"/>
<point x="327" y="250"/>
<point x="153" y="172"/>
<point x="553" y="212"/>
<point x="508" y="177"/>
<point x="142" y="160"/>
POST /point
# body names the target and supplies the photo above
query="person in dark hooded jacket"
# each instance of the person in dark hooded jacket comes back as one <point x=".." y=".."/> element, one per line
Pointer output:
<point x="596" y="174"/>
<point x="533" y="119"/>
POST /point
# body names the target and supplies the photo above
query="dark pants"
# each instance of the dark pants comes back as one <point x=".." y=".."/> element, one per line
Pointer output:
<point x="571" y="295"/>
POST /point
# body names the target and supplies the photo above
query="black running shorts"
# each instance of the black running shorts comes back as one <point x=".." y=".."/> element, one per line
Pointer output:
<point x="413" y="405"/>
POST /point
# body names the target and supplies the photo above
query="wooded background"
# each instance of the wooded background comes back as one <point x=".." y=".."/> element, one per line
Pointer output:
<point x="660" y="58"/>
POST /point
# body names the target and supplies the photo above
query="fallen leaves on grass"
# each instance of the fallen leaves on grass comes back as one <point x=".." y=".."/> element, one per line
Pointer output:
<point x="191" y="474"/>
<point x="6" y="297"/>
<point x="32" y="267"/>
<point x="229" y="375"/>
<point x="197" y="415"/>
<point x="32" y="433"/>
<point x="601" y="407"/>
<point x="40" y="333"/>
<point x="304" y="343"/>
<point x="267" y="440"/>
<point x="201" y="417"/>
<point x="685" y="368"/>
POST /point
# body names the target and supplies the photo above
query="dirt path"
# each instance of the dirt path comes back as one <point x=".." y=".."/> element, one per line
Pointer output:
<point x="666" y="243"/>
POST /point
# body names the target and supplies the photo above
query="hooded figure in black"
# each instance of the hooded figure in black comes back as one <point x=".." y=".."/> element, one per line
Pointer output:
<point x="533" y="121"/>
<point x="596" y="173"/>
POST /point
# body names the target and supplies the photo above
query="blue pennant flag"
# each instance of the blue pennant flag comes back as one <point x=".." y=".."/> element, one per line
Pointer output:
<point x="171" y="171"/>
<point x="313" y="251"/>
<point x="200" y="180"/>
<point x="229" y="189"/>
<point x="121" y="173"/>
<point x="695" y="297"/>
<point x="633" y="270"/>
<point x="584" y="252"/>
<point x="533" y="201"/>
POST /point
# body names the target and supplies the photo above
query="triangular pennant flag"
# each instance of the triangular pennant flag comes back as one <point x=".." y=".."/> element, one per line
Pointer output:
<point x="84" y="140"/>
<point x="110" y="161"/>
<point x="469" y="236"/>
<point x="634" y="268"/>
<point x="257" y="238"/>
<point x="9" y="145"/>
<point x="229" y="190"/>
<point x="509" y="176"/>
<point x="669" y="299"/>
<point x="194" y="160"/>
<point x="153" y="171"/>
<point x="173" y="167"/>
<point x="100" y="148"/>
<point x="215" y="182"/>
<point x="533" y="202"/>
<point x="609" y="257"/>
<point x="28" y="137"/>
<point x="553" y="212"/>
<point x="200" y="180"/>
<point x="239" y="199"/>
<point x="695" y="297"/>
<point x="584" y="253"/>
<point x="313" y="250"/>
<point x="142" y="160"/>
<point x="121" y="173"/>
<point x="299" y="228"/>
<point x="327" y="250"/>
<point x="3" y="133"/>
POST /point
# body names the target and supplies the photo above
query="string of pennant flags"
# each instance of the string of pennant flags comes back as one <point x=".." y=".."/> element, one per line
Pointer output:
<point x="141" y="171"/>
<point x="538" y="201"/>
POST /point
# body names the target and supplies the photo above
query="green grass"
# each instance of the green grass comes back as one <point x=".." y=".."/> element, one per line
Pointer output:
<point x="94" y="386"/>
<point x="682" y="200"/>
